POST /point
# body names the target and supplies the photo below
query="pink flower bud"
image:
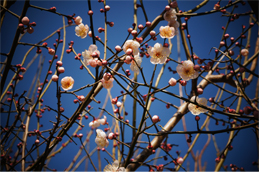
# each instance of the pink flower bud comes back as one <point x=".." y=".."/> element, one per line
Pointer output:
<point x="90" y="34"/>
<point x="111" y="136"/>
<point x="59" y="63"/>
<point x="118" y="104"/>
<point x="244" y="52"/>
<point x="152" y="33"/>
<point x="114" y="100"/>
<point x="107" y="8"/>
<point x="172" y="82"/>
<point x="155" y="119"/>
<point x="30" y="30"/>
<point x="179" y="160"/>
<point x="199" y="90"/>
<point x="148" y="23"/>
<point x="25" y="20"/>
<point x="54" y="78"/>
<point x="129" y="51"/>
<point x="167" y="8"/>
<point x="90" y="12"/>
<point x="51" y="51"/>
<point x="134" y="33"/>
<point x="118" y="48"/>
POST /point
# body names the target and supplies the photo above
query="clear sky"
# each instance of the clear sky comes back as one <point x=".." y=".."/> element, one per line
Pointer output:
<point x="205" y="33"/>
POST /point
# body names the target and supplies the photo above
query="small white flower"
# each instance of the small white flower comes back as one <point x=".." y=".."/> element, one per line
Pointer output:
<point x="167" y="32"/>
<point x="81" y="30"/>
<point x="67" y="83"/>
<point x="170" y="15"/>
<point x="134" y="66"/>
<point x="100" y="139"/>
<point x="196" y="109"/>
<point x="134" y="45"/>
<point x="186" y="70"/>
<point x="158" y="53"/>
<point x="97" y="122"/>
<point x="114" y="167"/>
<point x="87" y="54"/>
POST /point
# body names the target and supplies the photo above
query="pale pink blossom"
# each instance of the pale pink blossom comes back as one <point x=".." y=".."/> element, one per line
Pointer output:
<point x="244" y="52"/>
<point x="133" y="45"/>
<point x="67" y="83"/>
<point x="172" y="82"/>
<point x="78" y="20"/>
<point x="167" y="32"/>
<point x="158" y="53"/>
<point x="196" y="109"/>
<point x="114" y="167"/>
<point x="186" y="70"/>
<point x="101" y="139"/>
<point x="81" y="30"/>
<point x="170" y="15"/>
<point x="135" y="63"/>
<point x="88" y="54"/>
<point x="107" y="81"/>
<point x="97" y="122"/>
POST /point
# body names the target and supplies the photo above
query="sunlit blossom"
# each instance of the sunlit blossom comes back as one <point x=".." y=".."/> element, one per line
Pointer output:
<point x="167" y="32"/>
<point x="135" y="63"/>
<point x="114" y="167"/>
<point x="196" y="109"/>
<point x="186" y="70"/>
<point x="170" y="15"/>
<point x="97" y="122"/>
<point x="158" y="53"/>
<point x="67" y="83"/>
<point x="88" y="54"/>
<point x="81" y="30"/>
<point x="133" y="45"/>
<point x="101" y="139"/>
<point x="107" y="81"/>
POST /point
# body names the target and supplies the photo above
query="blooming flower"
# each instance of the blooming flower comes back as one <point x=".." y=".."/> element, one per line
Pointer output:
<point x="107" y="81"/>
<point x="81" y="30"/>
<point x="196" y="109"/>
<point x="170" y="15"/>
<point x="114" y="167"/>
<point x="158" y="53"/>
<point x="88" y="54"/>
<point x="78" y="20"/>
<point x="186" y="70"/>
<point x="133" y="45"/>
<point x="97" y="122"/>
<point x="100" y="139"/>
<point x="134" y="66"/>
<point x="67" y="83"/>
<point x="167" y="32"/>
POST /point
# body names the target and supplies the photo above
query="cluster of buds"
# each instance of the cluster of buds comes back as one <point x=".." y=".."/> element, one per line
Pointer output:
<point x="26" y="21"/>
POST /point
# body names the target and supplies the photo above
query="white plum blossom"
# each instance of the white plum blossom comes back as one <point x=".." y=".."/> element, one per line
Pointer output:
<point x="67" y="83"/>
<point x="167" y="32"/>
<point x="158" y="53"/>
<point x="175" y="24"/>
<point x="88" y="54"/>
<point x="97" y="122"/>
<point x="101" y="139"/>
<point x="81" y="30"/>
<point x="170" y="15"/>
<point x="196" y="109"/>
<point x="133" y="45"/>
<point x="186" y="70"/>
<point x="114" y="167"/>
<point x="107" y="81"/>
<point x="134" y="67"/>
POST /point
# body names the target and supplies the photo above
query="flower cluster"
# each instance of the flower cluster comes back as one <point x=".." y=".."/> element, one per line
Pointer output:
<point x="91" y="55"/>
<point x="158" y="53"/>
<point x="97" y="122"/>
<point x="114" y="167"/>
<point x="131" y="45"/>
<point x="171" y="17"/>
<point x="81" y="29"/>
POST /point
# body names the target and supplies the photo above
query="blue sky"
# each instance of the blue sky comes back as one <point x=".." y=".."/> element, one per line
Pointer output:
<point x="205" y="33"/>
